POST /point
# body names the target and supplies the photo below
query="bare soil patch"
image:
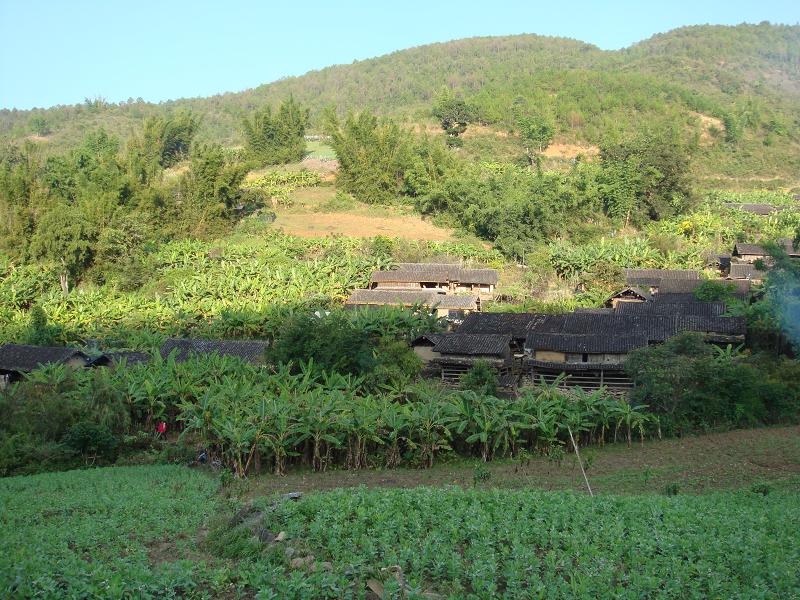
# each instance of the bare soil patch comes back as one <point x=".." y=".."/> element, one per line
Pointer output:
<point x="568" y="151"/>
<point x="354" y="225"/>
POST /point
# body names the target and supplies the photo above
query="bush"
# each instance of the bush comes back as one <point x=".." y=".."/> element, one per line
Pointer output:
<point x="481" y="378"/>
<point x="91" y="440"/>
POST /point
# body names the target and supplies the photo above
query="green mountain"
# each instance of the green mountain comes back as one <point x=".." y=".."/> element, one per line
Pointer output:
<point x="735" y="89"/>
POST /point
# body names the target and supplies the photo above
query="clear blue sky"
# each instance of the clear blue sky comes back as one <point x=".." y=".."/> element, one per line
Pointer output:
<point x="60" y="52"/>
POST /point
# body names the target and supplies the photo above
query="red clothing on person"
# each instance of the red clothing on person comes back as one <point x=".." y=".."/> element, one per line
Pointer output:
<point x="162" y="427"/>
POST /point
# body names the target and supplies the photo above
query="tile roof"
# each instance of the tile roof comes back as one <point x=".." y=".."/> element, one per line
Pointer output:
<point x="745" y="271"/>
<point x="249" y="350"/>
<point x="515" y="324"/>
<point x="473" y="344"/>
<point x="682" y="288"/>
<point x="435" y="273"/>
<point x="411" y="297"/>
<point x="751" y="249"/>
<point x="577" y="343"/>
<point x="643" y="276"/>
<point x="686" y="305"/>
<point x="24" y="358"/>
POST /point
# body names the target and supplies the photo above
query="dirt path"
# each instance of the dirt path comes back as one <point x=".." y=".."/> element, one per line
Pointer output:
<point x="695" y="464"/>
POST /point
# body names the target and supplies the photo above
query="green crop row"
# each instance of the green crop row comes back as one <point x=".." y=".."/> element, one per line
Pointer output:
<point x="133" y="532"/>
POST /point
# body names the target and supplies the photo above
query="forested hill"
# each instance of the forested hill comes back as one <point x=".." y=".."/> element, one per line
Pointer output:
<point x="746" y="76"/>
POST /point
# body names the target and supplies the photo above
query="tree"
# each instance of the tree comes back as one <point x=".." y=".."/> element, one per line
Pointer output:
<point x="39" y="125"/>
<point x="373" y="156"/>
<point x="64" y="236"/>
<point x="536" y="132"/>
<point x="278" y="138"/>
<point x="646" y="177"/>
<point x="454" y="115"/>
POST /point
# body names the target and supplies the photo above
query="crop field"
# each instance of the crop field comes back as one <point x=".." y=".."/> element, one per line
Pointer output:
<point x="89" y="533"/>
<point x="160" y="532"/>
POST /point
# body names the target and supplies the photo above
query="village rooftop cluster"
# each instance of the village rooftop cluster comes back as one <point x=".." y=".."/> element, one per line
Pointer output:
<point x="590" y="346"/>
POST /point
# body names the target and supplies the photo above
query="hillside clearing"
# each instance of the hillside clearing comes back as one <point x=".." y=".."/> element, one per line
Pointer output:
<point x="312" y="214"/>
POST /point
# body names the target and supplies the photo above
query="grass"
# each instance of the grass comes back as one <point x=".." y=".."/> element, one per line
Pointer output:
<point x="319" y="150"/>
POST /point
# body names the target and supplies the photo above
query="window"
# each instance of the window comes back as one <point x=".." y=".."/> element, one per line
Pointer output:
<point x="584" y="357"/>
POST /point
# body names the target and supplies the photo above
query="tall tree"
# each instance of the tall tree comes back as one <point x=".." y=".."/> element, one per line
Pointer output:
<point x="276" y="138"/>
<point x="454" y="115"/>
<point x="373" y="155"/>
<point x="536" y="133"/>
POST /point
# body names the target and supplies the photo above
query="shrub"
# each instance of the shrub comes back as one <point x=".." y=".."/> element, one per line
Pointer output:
<point x="90" y="440"/>
<point x="481" y="378"/>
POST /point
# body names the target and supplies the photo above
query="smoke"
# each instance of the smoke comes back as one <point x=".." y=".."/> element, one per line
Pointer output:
<point x="783" y="293"/>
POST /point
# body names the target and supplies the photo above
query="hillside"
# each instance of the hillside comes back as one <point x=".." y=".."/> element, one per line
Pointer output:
<point x="746" y="76"/>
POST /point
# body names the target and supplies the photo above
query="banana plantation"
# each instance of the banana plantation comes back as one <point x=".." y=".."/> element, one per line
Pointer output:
<point x="241" y="287"/>
<point x="251" y="419"/>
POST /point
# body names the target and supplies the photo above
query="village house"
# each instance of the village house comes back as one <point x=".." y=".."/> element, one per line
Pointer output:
<point x="181" y="349"/>
<point x="589" y="346"/>
<point x="630" y="294"/>
<point x="446" y="278"/>
<point x="591" y="361"/>
<point x="18" y="359"/>
<point x="750" y="253"/>
<point x="452" y="307"/>
<point x="451" y="355"/>
<point x="650" y="279"/>
<point x="746" y="271"/>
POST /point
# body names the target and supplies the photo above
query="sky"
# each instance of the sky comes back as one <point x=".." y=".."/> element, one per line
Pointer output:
<point x="63" y="51"/>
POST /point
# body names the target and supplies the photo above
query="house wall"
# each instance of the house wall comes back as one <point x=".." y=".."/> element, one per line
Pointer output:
<point x="615" y="301"/>
<point x="425" y="353"/>
<point x="483" y="289"/>
<point x="750" y="258"/>
<point x="550" y="356"/>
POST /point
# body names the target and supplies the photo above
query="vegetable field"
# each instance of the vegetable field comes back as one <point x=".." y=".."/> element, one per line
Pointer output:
<point x="139" y="532"/>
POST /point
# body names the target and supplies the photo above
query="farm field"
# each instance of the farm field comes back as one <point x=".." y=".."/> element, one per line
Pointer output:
<point x="164" y="531"/>
<point x="696" y="464"/>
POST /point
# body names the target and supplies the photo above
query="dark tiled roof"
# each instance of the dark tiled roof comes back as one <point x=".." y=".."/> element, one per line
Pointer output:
<point x="593" y="344"/>
<point x="681" y="288"/>
<point x="473" y="344"/>
<point x="656" y="327"/>
<point x="435" y="273"/>
<point x="251" y="351"/>
<point x="427" y="338"/>
<point x="687" y="305"/>
<point x="752" y="249"/>
<point x="629" y="291"/>
<point x="595" y="311"/>
<point x="645" y="276"/>
<point x="479" y="276"/>
<point x="515" y="324"/>
<point x="745" y="271"/>
<point x="408" y="277"/>
<point x="410" y="298"/>
<point x="23" y="359"/>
